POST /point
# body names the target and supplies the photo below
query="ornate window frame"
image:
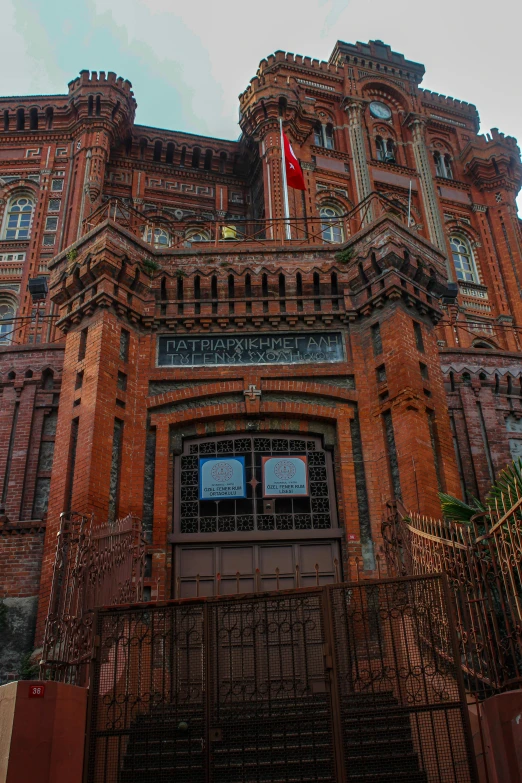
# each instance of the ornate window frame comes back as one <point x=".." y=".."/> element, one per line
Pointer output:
<point x="12" y="199"/>
<point x="254" y="518"/>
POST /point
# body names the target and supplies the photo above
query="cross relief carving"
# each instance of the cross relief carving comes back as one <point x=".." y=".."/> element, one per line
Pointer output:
<point x="252" y="392"/>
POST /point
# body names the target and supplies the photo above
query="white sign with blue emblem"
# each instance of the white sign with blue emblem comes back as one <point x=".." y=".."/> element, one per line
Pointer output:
<point x="285" y="476"/>
<point x="220" y="479"/>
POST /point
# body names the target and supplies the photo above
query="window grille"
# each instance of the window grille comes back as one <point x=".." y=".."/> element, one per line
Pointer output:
<point x="251" y="514"/>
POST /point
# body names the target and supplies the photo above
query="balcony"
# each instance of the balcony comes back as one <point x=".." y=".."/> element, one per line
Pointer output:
<point x="163" y="231"/>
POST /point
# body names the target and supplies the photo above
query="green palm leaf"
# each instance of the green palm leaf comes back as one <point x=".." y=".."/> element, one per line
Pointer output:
<point x="456" y="509"/>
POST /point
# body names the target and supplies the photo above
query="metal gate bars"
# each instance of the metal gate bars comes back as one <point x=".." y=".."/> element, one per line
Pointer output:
<point x="349" y="682"/>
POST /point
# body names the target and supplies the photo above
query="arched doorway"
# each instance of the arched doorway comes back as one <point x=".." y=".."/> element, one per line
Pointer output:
<point x="259" y="541"/>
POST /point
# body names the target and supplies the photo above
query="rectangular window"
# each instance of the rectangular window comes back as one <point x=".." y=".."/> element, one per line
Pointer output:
<point x="72" y="463"/>
<point x="10" y="448"/>
<point x="122" y="381"/>
<point x="12" y="256"/>
<point x="79" y="380"/>
<point x="117" y="442"/>
<point x="376" y="339"/>
<point x="83" y="345"/>
<point x="49" y="239"/>
<point x="418" y="336"/>
<point x="57" y="184"/>
<point x="434" y="437"/>
<point x="51" y="224"/>
<point x="124" y="345"/>
<point x="54" y="205"/>
<point x="381" y="374"/>
<point x="45" y="465"/>
<point x="391" y="449"/>
<point x="424" y="371"/>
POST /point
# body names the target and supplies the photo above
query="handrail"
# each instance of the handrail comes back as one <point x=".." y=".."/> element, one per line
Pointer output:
<point x="485" y="576"/>
<point x="235" y="232"/>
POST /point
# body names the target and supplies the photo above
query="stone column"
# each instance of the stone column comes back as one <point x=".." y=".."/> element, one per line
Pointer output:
<point x="429" y="197"/>
<point x="360" y="163"/>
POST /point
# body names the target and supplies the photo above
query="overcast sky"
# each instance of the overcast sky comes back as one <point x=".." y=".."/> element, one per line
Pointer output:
<point x="189" y="60"/>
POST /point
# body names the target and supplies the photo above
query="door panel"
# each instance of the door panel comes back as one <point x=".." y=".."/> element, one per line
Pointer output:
<point x="254" y="567"/>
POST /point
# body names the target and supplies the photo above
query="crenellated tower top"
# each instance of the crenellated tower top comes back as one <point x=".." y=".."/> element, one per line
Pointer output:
<point x="104" y="98"/>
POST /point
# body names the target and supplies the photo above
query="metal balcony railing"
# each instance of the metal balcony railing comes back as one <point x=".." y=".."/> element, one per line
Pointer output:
<point x="163" y="230"/>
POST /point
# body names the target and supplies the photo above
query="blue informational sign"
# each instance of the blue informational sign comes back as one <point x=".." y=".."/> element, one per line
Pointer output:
<point x="222" y="478"/>
<point x="285" y="477"/>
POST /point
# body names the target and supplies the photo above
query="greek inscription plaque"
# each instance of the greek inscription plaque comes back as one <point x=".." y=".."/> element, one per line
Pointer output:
<point x="230" y="349"/>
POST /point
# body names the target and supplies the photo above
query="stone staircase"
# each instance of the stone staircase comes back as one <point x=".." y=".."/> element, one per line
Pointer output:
<point x="281" y="741"/>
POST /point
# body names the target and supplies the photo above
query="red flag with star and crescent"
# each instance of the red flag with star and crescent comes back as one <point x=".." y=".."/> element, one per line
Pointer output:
<point x="294" y="174"/>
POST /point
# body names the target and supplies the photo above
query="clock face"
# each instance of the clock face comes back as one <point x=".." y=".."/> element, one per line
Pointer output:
<point x="380" y="110"/>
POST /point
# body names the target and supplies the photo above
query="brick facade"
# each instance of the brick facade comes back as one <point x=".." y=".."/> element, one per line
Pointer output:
<point x="143" y="233"/>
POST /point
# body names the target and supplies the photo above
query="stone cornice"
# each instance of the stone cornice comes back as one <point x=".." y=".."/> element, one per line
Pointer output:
<point x="109" y="271"/>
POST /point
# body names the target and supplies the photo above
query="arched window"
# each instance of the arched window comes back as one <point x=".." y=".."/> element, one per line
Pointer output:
<point x="169" y="158"/>
<point x="208" y="160"/>
<point x="160" y="237"/>
<point x="328" y="137"/>
<point x="20" y="119"/>
<point x="465" y="268"/>
<point x="33" y="119"/>
<point x="6" y="120"/>
<point x="196" y="154"/>
<point x="385" y="149"/>
<point x="222" y="162"/>
<point x="158" y="146"/>
<point x="49" y="116"/>
<point x="331" y="224"/>
<point x="19" y="217"/>
<point x="197" y="235"/>
<point x="323" y="136"/>
<point x="443" y="165"/>
<point x="7" y="314"/>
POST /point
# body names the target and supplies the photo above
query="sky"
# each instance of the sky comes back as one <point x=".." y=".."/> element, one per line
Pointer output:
<point x="188" y="61"/>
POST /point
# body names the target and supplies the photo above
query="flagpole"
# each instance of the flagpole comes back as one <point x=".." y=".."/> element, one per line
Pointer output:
<point x="285" y="186"/>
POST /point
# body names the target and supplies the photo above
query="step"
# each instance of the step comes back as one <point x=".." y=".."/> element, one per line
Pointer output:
<point x="380" y="746"/>
<point x="389" y="762"/>
<point x="387" y="776"/>
<point x="219" y="750"/>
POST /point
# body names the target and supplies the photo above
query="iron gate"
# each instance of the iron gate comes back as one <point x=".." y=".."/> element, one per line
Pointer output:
<point x="348" y="682"/>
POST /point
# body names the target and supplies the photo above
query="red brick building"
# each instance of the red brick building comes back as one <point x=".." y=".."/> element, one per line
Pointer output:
<point x="378" y="336"/>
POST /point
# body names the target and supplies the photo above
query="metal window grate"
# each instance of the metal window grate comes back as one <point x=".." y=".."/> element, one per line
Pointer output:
<point x="250" y="514"/>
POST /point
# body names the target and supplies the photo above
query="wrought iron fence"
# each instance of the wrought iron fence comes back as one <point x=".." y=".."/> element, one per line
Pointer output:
<point x="483" y="561"/>
<point x="94" y="565"/>
<point x="345" y="682"/>
<point x="163" y="229"/>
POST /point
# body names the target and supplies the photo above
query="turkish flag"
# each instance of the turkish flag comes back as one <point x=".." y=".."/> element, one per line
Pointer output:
<point x="294" y="174"/>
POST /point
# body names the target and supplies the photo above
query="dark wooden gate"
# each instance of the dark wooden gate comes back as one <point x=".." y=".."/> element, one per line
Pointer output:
<point x="347" y="682"/>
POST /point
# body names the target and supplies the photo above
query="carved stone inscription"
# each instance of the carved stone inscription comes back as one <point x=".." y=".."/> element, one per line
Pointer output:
<point x="228" y="349"/>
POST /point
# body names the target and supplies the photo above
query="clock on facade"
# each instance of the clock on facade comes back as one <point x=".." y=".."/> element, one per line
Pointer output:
<point x="380" y="110"/>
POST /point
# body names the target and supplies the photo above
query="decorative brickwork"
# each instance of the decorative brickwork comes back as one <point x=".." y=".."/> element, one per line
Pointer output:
<point x="384" y="331"/>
